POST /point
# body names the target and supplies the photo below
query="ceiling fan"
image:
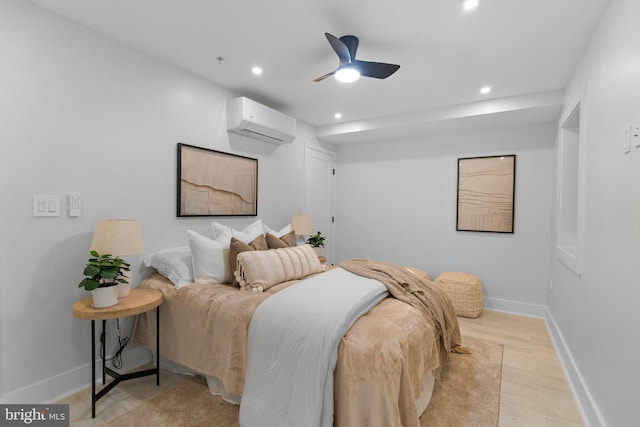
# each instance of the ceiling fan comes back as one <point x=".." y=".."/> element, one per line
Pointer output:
<point x="350" y="68"/>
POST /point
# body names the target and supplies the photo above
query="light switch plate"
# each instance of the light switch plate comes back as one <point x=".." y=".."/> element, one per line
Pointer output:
<point x="46" y="205"/>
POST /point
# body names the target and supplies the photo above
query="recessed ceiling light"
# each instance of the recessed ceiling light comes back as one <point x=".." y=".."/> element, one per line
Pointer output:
<point x="256" y="70"/>
<point x="338" y="115"/>
<point x="485" y="90"/>
<point x="347" y="74"/>
<point x="470" y="4"/>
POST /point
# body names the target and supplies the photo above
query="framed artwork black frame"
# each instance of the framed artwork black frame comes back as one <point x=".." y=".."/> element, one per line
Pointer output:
<point x="215" y="183"/>
<point x="486" y="194"/>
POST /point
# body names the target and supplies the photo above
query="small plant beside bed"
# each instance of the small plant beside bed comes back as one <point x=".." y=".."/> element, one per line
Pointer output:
<point x="104" y="271"/>
<point x="316" y="241"/>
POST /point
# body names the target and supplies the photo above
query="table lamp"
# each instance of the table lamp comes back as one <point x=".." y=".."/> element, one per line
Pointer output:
<point x="302" y="225"/>
<point x="118" y="237"/>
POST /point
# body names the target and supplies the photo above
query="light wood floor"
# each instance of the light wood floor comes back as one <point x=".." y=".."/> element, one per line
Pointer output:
<point x="534" y="391"/>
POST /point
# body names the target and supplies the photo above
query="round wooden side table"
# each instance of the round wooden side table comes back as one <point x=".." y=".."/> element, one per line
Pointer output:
<point x="138" y="301"/>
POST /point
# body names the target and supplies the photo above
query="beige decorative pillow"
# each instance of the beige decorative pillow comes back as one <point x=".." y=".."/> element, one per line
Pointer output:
<point x="284" y="241"/>
<point x="259" y="270"/>
<point x="237" y="246"/>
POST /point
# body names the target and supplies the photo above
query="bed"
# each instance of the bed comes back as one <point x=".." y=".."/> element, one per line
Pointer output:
<point x="387" y="361"/>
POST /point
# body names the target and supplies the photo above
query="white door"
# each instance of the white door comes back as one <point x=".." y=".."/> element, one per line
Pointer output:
<point x="319" y="202"/>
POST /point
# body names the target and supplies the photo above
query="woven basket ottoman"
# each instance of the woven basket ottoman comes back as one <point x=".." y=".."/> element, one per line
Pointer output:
<point x="465" y="290"/>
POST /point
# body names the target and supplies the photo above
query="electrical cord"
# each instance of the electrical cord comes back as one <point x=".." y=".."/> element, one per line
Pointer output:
<point x="116" y="359"/>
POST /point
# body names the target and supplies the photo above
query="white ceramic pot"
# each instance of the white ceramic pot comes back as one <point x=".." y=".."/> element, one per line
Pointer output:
<point x="105" y="297"/>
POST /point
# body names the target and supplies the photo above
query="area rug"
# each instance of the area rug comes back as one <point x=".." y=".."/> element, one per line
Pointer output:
<point x="468" y="394"/>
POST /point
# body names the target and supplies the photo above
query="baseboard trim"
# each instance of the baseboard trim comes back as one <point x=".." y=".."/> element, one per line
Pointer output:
<point x="72" y="381"/>
<point x="515" y="307"/>
<point x="587" y="405"/>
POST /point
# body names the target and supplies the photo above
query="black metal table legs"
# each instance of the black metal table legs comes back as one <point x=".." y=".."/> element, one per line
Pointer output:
<point x="117" y="378"/>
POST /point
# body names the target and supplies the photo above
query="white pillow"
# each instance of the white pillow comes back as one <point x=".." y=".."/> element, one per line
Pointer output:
<point x="174" y="264"/>
<point x="223" y="234"/>
<point x="282" y="232"/>
<point x="210" y="266"/>
<point x="250" y="232"/>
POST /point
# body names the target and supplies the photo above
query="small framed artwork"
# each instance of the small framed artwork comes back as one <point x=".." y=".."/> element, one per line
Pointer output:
<point x="213" y="183"/>
<point x="486" y="192"/>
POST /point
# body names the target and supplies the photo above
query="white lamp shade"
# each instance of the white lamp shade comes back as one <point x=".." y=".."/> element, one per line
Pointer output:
<point x="118" y="237"/>
<point x="302" y="225"/>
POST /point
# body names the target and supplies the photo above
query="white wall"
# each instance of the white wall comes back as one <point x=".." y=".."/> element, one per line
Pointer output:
<point x="397" y="203"/>
<point x="82" y="113"/>
<point x="597" y="312"/>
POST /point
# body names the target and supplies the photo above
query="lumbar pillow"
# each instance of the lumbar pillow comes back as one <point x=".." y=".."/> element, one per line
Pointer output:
<point x="284" y="241"/>
<point x="173" y="263"/>
<point x="210" y="263"/>
<point x="259" y="270"/>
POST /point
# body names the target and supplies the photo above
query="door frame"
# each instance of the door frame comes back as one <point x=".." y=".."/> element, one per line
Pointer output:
<point x="329" y="249"/>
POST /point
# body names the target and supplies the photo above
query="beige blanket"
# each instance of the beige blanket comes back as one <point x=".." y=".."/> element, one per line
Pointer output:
<point x="203" y="327"/>
<point x="383" y="360"/>
<point x="421" y="294"/>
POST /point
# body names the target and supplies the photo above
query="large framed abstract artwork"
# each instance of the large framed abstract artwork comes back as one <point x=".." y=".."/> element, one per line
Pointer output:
<point x="486" y="193"/>
<point x="213" y="183"/>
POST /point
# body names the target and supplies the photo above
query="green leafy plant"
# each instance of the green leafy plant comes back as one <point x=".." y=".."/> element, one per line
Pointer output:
<point x="317" y="240"/>
<point x="104" y="270"/>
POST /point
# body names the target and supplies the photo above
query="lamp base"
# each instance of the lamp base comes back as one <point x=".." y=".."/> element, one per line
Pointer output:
<point x="123" y="289"/>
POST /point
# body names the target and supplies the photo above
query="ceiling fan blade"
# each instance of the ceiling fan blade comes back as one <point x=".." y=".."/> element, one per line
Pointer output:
<point x="378" y="70"/>
<point x="340" y="48"/>
<point x="319" y="79"/>
<point x="351" y="42"/>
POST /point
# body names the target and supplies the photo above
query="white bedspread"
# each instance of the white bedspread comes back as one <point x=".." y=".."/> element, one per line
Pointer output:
<point x="293" y="348"/>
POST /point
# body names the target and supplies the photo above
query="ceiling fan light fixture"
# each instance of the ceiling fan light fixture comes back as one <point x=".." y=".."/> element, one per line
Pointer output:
<point x="470" y="4"/>
<point x="347" y="74"/>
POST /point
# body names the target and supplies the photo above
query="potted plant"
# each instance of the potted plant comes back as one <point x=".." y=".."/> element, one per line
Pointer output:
<point x="316" y="242"/>
<point x="102" y="275"/>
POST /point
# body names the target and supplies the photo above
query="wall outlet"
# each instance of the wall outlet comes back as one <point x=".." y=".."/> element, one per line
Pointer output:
<point x="635" y="135"/>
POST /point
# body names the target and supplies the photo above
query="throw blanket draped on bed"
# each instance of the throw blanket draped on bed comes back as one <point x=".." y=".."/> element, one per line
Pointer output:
<point x="293" y="348"/>
<point x="421" y="294"/>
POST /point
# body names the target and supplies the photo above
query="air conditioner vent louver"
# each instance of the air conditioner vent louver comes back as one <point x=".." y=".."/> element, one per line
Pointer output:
<point x="258" y="135"/>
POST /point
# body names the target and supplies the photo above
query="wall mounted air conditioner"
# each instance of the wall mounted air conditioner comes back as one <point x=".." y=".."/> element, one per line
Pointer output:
<point x="247" y="117"/>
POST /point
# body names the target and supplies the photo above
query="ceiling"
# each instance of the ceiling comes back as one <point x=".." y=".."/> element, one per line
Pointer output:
<point x="521" y="48"/>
